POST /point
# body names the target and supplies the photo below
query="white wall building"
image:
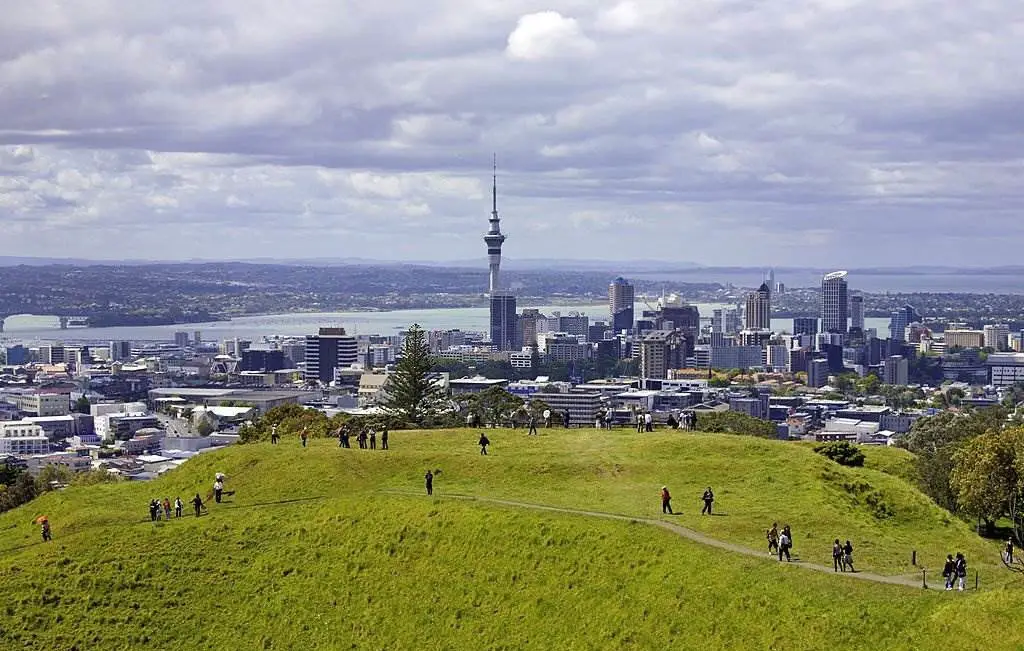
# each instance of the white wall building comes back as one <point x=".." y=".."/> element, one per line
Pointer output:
<point x="23" y="437"/>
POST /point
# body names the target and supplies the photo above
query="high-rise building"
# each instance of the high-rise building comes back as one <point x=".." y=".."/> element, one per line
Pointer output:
<point x="575" y="324"/>
<point x="805" y="325"/>
<point x="327" y="351"/>
<point x="896" y="371"/>
<point x="857" y="313"/>
<point x="899" y="320"/>
<point x="759" y="309"/>
<point x="834" y="303"/>
<point x="620" y="304"/>
<point x="817" y="373"/>
<point x="660" y="351"/>
<point x="997" y="336"/>
<point x="120" y="351"/>
<point x="528" y="326"/>
<point x="197" y="337"/>
<point x="725" y="321"/>
<point x="503" y="304"/>
<point x="504" y="321"/>
<point x="181" y="339"/>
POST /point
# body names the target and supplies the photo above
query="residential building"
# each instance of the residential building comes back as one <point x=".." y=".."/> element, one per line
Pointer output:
<point x="759" y="309"/>
<point x="528" y="326"/>
<point x="660" y="351"/>
<point x="964" y="339"/>
<point x="56" y="428"/>
<point x="328" y="351"/>
<point x="563" y="347"/>
<point x="181" y="339"/>
<point x="620" y="304"/>
<point x="896" y="371"/>
<point x="997" y="336"/>
<point x="42" y="404"/>
<point x="834" y="302"/>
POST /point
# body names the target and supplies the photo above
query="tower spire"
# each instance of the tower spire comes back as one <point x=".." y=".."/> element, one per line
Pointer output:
<point x="494" y="187"/>
<point x="494" y="238"/>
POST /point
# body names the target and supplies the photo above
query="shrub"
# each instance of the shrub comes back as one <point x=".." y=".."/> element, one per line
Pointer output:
<point x="842" y="452"/>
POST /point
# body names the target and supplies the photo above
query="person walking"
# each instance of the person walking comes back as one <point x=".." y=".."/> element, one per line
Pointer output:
<point x="373" y="439"/>
<point x="304" y="436"/>
<point x="837" y="556"/>
<point x="773" y="539"/>
<point x="960" y="567"/>
<point x="362" y="439"/>
<point x="197" y="503"/>
<point x="218" y="489"/>
<point x="429" y="479"/>
<point x="639" y="422"/>
<point x="666" y="501"/>
<point x="785" y="544"/>
<point x="154" y="510"/>
<point x="483" y="442"/>
<point x="648" y="422"/>
<point x="949" y="571"/>
<point x="274" y="438"/>
<point x="47" y="536"/>
<point x="341" y="436"/>
<point x="167" y="508"/>
<point x="565" y="419"/>
<point x="709" y="499"/>
<point x="848" y="556"/>
<point x="178" y="506"/>
<point x="384" y="438"/>
<point x="533" y="425"/>
<point x="1008" y="552"/>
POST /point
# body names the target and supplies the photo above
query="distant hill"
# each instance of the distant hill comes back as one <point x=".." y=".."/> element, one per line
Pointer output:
<point x="329" y="548"/>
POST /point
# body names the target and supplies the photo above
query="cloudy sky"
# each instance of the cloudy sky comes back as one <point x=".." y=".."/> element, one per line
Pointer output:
<point x="790" y="132"/>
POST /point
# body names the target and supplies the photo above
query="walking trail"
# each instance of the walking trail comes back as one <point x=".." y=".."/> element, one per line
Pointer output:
<point x="686" y="532"/>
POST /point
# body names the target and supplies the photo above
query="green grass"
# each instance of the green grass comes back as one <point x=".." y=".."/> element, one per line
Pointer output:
<point x="311" y="554"/>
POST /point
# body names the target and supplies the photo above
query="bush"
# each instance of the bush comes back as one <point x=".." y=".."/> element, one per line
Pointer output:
<point x="732" y="422"/>
<point x="842" y="452"/>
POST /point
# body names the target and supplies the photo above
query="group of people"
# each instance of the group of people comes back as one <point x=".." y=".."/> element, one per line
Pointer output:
<point x="687" y="421"/>
<point x="780" y="543"/>
<point x="842" y="556"/>
<point x="666" y="501"/>
<point x="955" y="571"/>
<point x="366" y="438"/>
<point x="162" y="509"/>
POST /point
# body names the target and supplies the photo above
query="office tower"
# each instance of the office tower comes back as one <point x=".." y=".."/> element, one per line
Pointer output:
<point x="329" y="350"/>
<point x="817" y="373"/>
<point x="197" y="337"/>
<point x="805" y="325"/>
<point x="899" y="320"/>
<point x="120" y="351"/>
<point x="997" y="336"/>
<point x="834" y="303"/>
<point x="503" y="304"/>
<point x="857" y="313"/>
<point x="575" y="324"/>
<point x="181" y="339"/>
<point x="725" y="321"/>
<point x="661" y="351"/>
<point x="896" y="371"/>
<point x="620" y="304"/>
<point x="759" y="309"/>
<point x="528" y="326"/>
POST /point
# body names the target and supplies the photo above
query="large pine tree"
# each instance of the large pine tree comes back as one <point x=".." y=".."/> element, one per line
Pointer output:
<point x="412" y="394"/>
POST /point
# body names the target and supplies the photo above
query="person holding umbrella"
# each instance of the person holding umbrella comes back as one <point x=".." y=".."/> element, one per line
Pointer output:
<point x="45" y="522"/>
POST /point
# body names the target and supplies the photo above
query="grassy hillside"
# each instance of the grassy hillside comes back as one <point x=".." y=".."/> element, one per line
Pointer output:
<point x="310" y="553"/>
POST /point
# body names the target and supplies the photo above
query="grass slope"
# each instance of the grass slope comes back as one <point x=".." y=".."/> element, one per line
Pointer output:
<point x="309" y="553"/>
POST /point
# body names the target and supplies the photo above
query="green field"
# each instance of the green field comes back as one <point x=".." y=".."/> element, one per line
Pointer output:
<point x="328" y="548"/>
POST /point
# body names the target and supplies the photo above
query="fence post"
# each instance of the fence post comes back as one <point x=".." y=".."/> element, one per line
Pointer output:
<point x="975" y="579"/>
<point x="913" y="557"/>
<point x="924" y="579"/>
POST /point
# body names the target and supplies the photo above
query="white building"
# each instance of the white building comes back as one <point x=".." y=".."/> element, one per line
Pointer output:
<point x="1005" y="369"/>
<point x="22" y="437"/>
<point x="996" y="336"/>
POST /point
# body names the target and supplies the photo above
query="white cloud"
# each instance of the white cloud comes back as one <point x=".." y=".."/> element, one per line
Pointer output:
<point x="547" y="35"/>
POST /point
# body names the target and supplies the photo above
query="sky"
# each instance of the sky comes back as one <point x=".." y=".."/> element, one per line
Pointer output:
<point x="826" y="133"/>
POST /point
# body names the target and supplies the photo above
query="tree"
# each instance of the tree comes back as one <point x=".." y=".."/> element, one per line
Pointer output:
<point x="413" y="396"/>
<point x="82" y="405"/>
<point x="842" y="452"/>
<point x="494" y="405"/>
<point x="988" y="476"/>
<point x="735" y="423"/>
<point x="205" y="427"/>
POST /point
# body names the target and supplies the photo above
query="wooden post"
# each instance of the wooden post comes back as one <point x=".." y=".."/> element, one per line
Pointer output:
<point x="913" y="557"/>
<point x="924" y="579"/>
<point x="975" y="579"/>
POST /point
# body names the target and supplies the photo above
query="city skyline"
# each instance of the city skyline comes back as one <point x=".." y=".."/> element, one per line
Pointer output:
<point x="828" y="138"/>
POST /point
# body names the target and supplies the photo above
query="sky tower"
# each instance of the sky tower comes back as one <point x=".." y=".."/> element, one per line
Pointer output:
<point x="494" y="239"/>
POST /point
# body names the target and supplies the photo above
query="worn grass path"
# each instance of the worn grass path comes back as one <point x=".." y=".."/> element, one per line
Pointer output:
<point x="686" y="532"/>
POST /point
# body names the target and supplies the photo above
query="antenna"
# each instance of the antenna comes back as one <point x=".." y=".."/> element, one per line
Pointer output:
<point x="494" y="186"/>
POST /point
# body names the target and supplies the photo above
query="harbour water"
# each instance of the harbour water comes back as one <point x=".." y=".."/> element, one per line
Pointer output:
<point x="31" y="329"/>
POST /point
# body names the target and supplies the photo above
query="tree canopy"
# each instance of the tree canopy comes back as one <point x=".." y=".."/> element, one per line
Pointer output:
<point x="413" y="395"/>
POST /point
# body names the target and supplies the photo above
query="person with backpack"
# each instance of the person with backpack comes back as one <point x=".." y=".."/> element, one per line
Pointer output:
<point x="709" y="499"/>
<point x="47" y="536"/>
<point x="848" y="555"/>
<point x="949" y="571"/>
<point x="773" y="539"/>
<point x="666" y="501"/>
<point x="837" y="556"/>
<point x="483" y="442"/>
<point x="960" y="567"/>
<point x="785" y="543"/>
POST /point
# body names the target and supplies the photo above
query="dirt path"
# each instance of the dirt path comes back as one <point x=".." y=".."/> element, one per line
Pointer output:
<point x="696" y="536"/>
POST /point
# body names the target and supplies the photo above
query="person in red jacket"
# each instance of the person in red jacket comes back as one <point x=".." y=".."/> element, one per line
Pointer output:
<point x="666" y="501"/>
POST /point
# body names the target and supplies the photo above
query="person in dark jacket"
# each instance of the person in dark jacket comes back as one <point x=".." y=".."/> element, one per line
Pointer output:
<point x="1008" y="551"/>
<point x="949" y="571"/>
<point x="666" y="501"/>
<point x="960" y="565"/>
<point x="565" y="419"/>
<point x="304" y="436"/>
<point x="848" y="555"/>
<point x="429" y="479"/>
<point x="709" y="499"/>
<point x="154" y="509"/>
<point x="373" y="439"/>
<point x="837" y="556"/>
<point x="197" y="503"/>
<point x="384" y="438"/>
<point x="483" y="442"/>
